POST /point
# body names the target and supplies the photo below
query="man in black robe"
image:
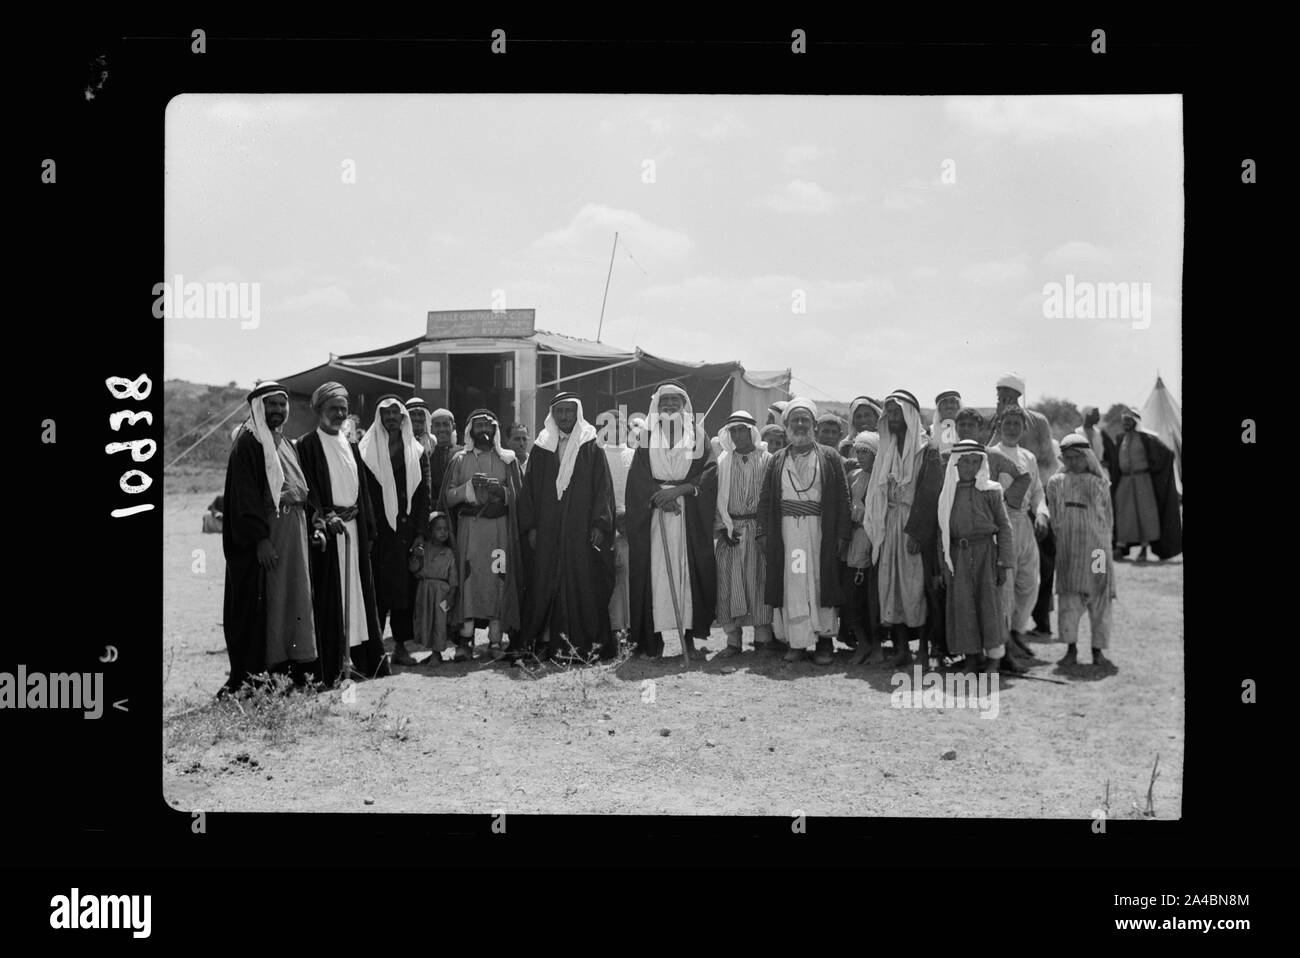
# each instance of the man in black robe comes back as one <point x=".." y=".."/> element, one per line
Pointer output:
<point x="830" y="512"/>
<point x="267" y="612"/>
<point x="567" y="511"/>
<point x="326" y="455"/>
<point x="1159" y="470"/>
<point x="442" y="427"/>
<point x="397" y="476"/>
<point x="671" y="493"/>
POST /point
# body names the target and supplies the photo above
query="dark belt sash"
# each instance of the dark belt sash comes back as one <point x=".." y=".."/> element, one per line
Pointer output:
<point x="1077" y="505"/>
<point x="346" y="513"/>
<point x="488" y="510"/>
<point x="965" y="542"/>
<point x="800" y="507"/>
<point x="742" y="517"/>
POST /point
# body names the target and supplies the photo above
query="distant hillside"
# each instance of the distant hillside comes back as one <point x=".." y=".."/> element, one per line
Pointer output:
<point x="190" y="410"/>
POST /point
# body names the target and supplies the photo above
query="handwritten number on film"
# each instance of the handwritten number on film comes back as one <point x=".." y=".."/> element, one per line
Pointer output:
<point x="133" y="481"/>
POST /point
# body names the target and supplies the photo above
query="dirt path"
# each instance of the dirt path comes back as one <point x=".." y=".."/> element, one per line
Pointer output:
<point x="766" y="738"/>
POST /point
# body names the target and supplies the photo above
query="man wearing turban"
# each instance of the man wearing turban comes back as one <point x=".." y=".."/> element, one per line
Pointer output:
<point x="805" y="525"/>
<point x="343" y="588"/>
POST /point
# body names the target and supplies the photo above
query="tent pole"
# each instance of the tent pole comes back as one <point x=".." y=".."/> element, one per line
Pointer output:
<point x="601" y="324"/>
<point x="725" y="384"/>
<point x="589" y="372"/>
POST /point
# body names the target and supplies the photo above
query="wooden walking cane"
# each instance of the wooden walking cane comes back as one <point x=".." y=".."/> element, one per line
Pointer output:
<point x="672" y="590"/>
<point x="345" y="663"/>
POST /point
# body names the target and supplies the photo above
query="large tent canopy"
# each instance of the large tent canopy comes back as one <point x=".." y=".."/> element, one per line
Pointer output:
<point x="604" y="375"/>
<point x="1162" y="416"/>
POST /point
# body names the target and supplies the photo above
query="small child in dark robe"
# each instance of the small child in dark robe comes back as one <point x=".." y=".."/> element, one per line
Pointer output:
<point x="435" y="593"/>
<point x="861" y="590"/>
<point x="977" y="553"/>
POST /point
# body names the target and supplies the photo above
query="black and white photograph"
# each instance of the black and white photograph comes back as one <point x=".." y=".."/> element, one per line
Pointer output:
<point x="673" y="455"/>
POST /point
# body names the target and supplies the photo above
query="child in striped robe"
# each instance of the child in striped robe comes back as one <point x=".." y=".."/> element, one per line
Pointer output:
<point x="1078" y="499"/>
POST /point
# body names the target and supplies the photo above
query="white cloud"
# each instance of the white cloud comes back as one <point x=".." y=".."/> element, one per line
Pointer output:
<point x="997" y="272"/>
<point x="390" y="305"/>
<point x="656" y="122"/>
<point x="592" y="231"/>
<point x="179" y="357"/>
<point x="801" y="154"/>
<point x="379" y="265"/>
<point x="915" y="192"/>
<point x="924" y="272"/>
<point x="1047" y="117"/>
<point x="1078" y="255"/>
<point x="321" y="297"/>
<point x="351" y="343"/>
<point x="771" y="295"/>
<point x="800" y="196"/>
<point x="725" y="128"/>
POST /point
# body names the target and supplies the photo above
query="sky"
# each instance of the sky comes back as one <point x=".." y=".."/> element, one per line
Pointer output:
<point x="916" y="233"/>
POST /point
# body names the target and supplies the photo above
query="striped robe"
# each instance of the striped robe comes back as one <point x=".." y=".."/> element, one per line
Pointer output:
<point x="1080" y="509"/>
<point x="741" y="579"/>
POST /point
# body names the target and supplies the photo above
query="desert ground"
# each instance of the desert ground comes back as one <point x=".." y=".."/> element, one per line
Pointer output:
<point x="744" y="736"/>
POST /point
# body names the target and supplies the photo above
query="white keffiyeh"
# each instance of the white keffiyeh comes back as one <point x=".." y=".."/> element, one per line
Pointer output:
<point x="549" y="439"/>
<point x="374" y="453"/>
<point x="671" y="462"/>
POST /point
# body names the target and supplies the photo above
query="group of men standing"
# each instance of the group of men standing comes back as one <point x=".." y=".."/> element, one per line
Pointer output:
<point x="562" y="544"/>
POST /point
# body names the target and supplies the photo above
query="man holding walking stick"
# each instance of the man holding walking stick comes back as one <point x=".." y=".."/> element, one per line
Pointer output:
<point x="343" y="588"/>
<point x="671" y="497"/>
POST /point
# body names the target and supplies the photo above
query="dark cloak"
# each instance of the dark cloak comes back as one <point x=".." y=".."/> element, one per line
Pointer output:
<point x="571" y="582"/>
<point x="699" y="512"/>
<point x="246" y="522"/>
<point x="837" y="526"/>
<point x="1160" y="462"/>
<point x="327" y="593"/>
<point x="394" y="584"/>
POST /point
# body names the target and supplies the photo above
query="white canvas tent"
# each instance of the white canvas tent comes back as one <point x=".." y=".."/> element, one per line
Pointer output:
<point x="1162" y="416"/>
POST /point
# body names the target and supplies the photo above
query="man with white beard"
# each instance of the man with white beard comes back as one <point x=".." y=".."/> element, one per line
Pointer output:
<point x="343" y="589"/>
<point x="671" y="497"/>
<point x="804" y="525"/>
